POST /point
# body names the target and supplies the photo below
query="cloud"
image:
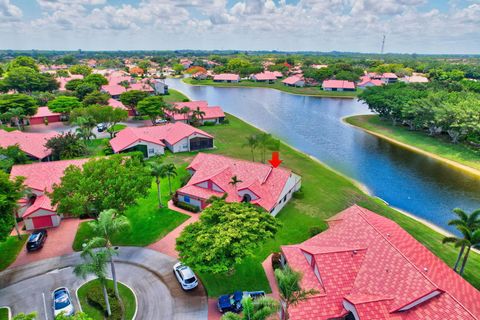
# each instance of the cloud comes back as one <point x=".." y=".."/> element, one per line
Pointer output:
<point x="9" y="12"/>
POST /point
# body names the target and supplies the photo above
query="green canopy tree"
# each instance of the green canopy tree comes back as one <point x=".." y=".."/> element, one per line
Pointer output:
<point x="131" y="98"/>
<point x="10" y="192"/>
<point x="10" y="156"/>
<point x="153" y="107"/>
<point x="116" y="182"/>
<point x="225" y="234"/>
<point x="84" y="89"/>
<point x="27" y="80"/>
<point x="96" y="97"/>
<point x="16" y="107"/>
<point x="64" y="104"/>
<point x="97" y="79"/>
<point x="80" y="69"/>
<point x="101" y="114"/>
<point x="23" y="61"/>
<point x="259" y="309"/>
<point x="23" y="316"/>
<point x="73" y="84"/>
<point x="66" y="146"/>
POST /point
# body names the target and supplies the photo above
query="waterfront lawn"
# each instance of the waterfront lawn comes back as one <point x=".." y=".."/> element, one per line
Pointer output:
<point x="3" y="314"/>
<point x="310" y="91"/>
<point x="94" y="311"/>
<point x="460" y="153"/>
<point x="325" y="194"/>
<point x="174" y="96"/>
<point x="9" y="250"/>
<point x="148" y="222"/>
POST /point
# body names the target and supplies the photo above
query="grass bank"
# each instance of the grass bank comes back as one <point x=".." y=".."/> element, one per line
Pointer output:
<point x="459" y="155"/>
<point x="325" y="194"/>
<point x="174" y="96"/>
<point x="278" y="85"/>
<point x="148" y="222"/>
<point x="3" y="314"/>
<point x="95" y="312"/>
<point x="9" y="250"/>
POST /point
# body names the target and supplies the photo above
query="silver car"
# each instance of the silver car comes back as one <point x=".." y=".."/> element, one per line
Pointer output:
<point x="185" y="276"/>
<point x="62" y="302"/>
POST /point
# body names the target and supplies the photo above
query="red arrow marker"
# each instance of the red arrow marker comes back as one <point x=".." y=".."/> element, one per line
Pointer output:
<point x="275" y="162"/>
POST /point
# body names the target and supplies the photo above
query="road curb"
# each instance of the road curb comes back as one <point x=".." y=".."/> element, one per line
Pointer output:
<point x="9" y="314"/>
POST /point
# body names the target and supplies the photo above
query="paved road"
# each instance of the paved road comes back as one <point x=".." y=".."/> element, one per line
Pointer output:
<point x="149" y="273"/>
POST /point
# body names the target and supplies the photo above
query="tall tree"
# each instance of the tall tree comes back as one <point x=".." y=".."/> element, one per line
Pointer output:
<point x="289" y="286"/>
<point x="153" y="107"/>
<point x="17" y="106"/>
<point x="97" y="79"/>
<point x="85" y="127"/>
<point x="66" y="146"/>
<point x="116" y="182"/>
<point x="96" y="97"/>
<point x="64" y="104"/>
<point x="23" y="61"/>
<point x="197" y="115"/>
<point x="10" y="156"/>
<point x="156" y="170"/>
<point x="10" y="192"/>
<point x="466" y="222"/>
<point x="169" y="171"/>
<point x="95" y="263"/>
<point x="27" y="80"/>
<point x="252" y="142"/>
<point x="80" y="69"/>
<point x="131" y="98"/>
<point x="107" y="226"/>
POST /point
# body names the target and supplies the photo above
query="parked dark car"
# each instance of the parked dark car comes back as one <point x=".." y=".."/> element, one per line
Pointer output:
<point x="36" y="240"/>
<point x="101" y="127"/>
<point x="233" y="302"/>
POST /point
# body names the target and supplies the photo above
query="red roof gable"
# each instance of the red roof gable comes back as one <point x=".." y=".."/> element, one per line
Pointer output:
<point x="381" y="270"/>
<point x="267" y="76"/>
<point x="226" y="77"/>
<point x="211" y="112"/>
<point x="170" y="132"/>
<point x="338" y="84"/>
<point x="30" y="143"/>
<point x="44" y="112"/>
<point x="42" y="202"/>
<point x="293" y="79"/>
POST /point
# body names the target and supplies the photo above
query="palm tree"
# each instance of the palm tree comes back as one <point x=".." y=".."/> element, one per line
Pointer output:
<point x="95" y="263"/>
<point x="156" y="170"/>
<point x="107" y="225"/>
<point x="185" y="111"/>
<point x="264" y="140"/>
<point x="471" y="240"/>
<point x="259" y="309"/>
<point x="290" y="290"/>
<point x="234" y="182"/>
<point x="464" y="222"/>
<point x="252" y="142"/>
<point x="17" y="114"/>
<point x="169" y="171"/>
<point x="85" y="126"/>
<point x="197" y="114"/>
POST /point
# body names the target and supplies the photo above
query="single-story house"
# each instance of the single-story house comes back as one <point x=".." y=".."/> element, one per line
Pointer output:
<point x="294" y="81"/>
<point x="33" y="144"/>
<point x="37" y="212"/>
<point x="177" y="137"/>
<point x="365" y="266"/>
<point x="389" y="77"/>
<point x="366" y="81"/>
<point x="186" y="63"/>
<point x="64" y="80"/>
<point x="338" y="85"/>
<point x="160" y="87"/>
<point x="261" y="184"/>
<point x="226" y="77"/>
<point x="118" y="104"/>
<point x="266" y="76"/>
<point x="415" y="79"/>
<point x="44" y="114"/>
<point x="115" y="90"/>
<point x="213" y="114"/>
<point x="200" y="76"/>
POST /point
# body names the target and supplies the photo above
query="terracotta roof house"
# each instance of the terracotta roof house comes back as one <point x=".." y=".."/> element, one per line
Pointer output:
<point x="64" y="80"/>
<point x="177" y="137"/>
<point x="33" y="144"/>
<point x="200" y="75"/>
<point x="115" y="90"/>
<point x="213" y="114"/>
<point x="366" y="81"/>
<point x="226" y="77"/>
<point x="294" y="81"/>
<point x="416" y="79"/>
<point x="338" y="85"/>
<point x="365" y="266"/>
<point x="389" y="77"/>
<point x="268" y="187"/>
<point x="266" y="76"/>
<point x="44" y="115"/>
<point x="38" y="212"/>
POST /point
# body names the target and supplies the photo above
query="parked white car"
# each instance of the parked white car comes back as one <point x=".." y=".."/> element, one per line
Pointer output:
<point x="62" y="302"/>
<point x="185" y="276"/>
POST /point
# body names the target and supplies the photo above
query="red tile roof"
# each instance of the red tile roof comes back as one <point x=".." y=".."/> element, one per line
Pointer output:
<point x="113" y="89"/>
<point x="338" y="84"/>
<point x="366" y="79"/>
<point x="32" y="144"/>
<point x="42" y="175"/>
<point x="63" y="81"/>
<point x="293" y="79"/>
<point x="226" y="77"/>
<point x="42" y="202"/>
<point x="170" y="132"/>
<point x="116" y="104"/>
<point x="211" y="112"/>
<point x="261" y="179"/>
<point x="44" y="112"/>
<point x="389" y="75"/>
<point x="265" y="76"/>
<point x="379" y="269"/>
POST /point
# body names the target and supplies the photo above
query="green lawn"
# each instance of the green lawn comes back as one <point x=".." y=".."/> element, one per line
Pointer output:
<point x="119" y="127"/>
<point x="7" y="128"/>
<point x="9" y="250"/>
<point x="95" y="146"/>
<point x="126" y="294"/>
<point x="174" y="96"/>
<point x="460" y="153"/>
<point x="309" y="91"/>
<point x="3" y="314"/>
<point x="325" y="194"/>
<point x="148" y="222"/>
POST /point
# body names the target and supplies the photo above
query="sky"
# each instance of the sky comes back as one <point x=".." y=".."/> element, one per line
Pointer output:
<point x="410" y="26"/>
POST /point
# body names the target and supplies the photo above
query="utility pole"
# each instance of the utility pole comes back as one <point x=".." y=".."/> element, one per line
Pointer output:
<point x="383" y="44"/>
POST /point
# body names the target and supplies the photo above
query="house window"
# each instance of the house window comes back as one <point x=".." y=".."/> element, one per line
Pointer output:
<point x="246" y="198"/>
<point x="151" y="151"/>
<point x="285" y="198"/>
<point x="186" y="199"/>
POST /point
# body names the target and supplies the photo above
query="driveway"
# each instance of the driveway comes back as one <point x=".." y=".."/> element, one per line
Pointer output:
<point x="147" y="272"/>
<point x="59" y="242"/>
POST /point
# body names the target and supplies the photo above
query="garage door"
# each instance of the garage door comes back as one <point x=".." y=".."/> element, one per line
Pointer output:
<point x="42" y="222"/>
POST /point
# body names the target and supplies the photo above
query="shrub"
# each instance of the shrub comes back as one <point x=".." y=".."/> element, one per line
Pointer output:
<point x="209" y="124"/>
<point x="96" y="300"/>
<point x="276" y="260"/>
<point x="313" y="231"/>
<point x="226" y="121"/>
<point x="186" y="206"/>
<point x="298" y="194"/>
<point x="185" y="100"/>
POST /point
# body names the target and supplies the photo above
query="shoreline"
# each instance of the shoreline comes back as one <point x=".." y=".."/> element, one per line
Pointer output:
<point x="297" y="94"/>
<point x="358" y="184"/>
<point x="462" y="167"/>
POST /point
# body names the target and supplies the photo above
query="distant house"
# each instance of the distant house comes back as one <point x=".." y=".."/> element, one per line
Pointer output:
<point x="389" y="77"/>
<point x="92" y="63"/>
<point x="261" y="184"/>
<point x="200" y="76"/>
<point x="118" y="104"/>
<point x="64" y="80"/>
<point x="115" y="90"/>
<point x="44" y="115"/>
<point x="212" y="114"/>
<point x="266" y="76"/>
<point x="186" y="63"/>
<point x="338" y="85"/>
<point x="294" y="81"/>
<point x="37" y="211"/>
<point x="369" y="82"/>
<point x="365" y="266"/>
<point x="177" y="137"/>
<point x="415" y="79"/>
<point x="226" y="77"/>
<point x="160" y="87"/>
<point x="33" y="144"/>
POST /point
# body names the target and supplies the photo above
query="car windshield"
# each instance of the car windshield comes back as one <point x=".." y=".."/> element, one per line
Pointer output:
<point x="190" y="280"/>
<point x="34" y="237"/>
<point x="61" y="300"/>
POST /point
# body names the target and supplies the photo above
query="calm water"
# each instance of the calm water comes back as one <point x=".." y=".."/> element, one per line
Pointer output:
<point x="407" y="180"/>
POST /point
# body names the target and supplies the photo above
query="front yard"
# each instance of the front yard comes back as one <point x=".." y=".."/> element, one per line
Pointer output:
<point x="9" y="250"/>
